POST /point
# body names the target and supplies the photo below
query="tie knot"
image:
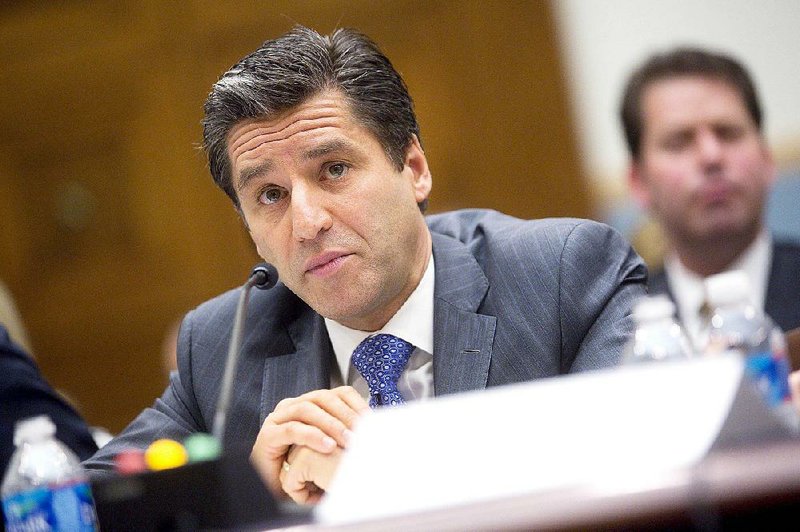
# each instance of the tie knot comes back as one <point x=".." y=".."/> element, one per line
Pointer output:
<point x="380" y="359"/>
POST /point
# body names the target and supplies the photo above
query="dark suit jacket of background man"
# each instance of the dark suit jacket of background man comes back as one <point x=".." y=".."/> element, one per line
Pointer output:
<point x="513" y="301"/>
<point x="25" y="393"/>
<point x="782" y="302"/>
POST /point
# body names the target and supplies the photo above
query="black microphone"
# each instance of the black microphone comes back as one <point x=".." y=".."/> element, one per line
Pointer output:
<point x="263" y="276"/>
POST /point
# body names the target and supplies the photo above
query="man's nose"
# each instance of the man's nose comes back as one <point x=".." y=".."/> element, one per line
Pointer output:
<point x="309" y="213"/>
<point x="710" y="149"/>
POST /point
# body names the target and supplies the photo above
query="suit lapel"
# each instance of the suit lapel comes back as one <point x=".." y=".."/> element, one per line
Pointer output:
<point x="658" y="283"/>
<point x="772" y="300"/>
<point x="462" y="338"/>
<point x="783" y="287"/>
<point x="307" y="368"/>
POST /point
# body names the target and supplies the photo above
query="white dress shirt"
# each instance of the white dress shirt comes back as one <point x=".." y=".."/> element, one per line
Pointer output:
<point x="413" y="322"/>
<point x="687" y="286"/>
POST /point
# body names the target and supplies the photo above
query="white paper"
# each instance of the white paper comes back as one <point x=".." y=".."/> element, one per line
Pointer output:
<point x="619" y="425"/>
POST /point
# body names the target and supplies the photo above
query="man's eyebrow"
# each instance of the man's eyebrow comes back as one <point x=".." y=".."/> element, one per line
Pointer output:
<point x="249" y="173"/>
<point x="322" y="150"/>
<point x="326" y="148"/>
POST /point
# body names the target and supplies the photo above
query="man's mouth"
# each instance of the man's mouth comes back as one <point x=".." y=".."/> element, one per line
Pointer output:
<point x="718" y="194"/>
<point x="326" y="263"/>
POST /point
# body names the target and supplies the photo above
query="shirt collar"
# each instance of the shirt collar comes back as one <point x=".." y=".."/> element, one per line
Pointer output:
<point x="687" y="286"/>
<point x="413" y="322"/>
<point x="756" y="262"/>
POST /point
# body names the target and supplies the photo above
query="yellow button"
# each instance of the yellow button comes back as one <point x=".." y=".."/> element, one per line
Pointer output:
<point x="165" y="454"/>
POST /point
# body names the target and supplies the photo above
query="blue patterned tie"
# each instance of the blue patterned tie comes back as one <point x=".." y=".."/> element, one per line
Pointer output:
<point x="380" y="359"/>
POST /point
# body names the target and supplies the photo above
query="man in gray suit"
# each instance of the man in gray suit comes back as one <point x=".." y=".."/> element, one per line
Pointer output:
<point x="701" y="165"/>
<point x="315" y="141"/>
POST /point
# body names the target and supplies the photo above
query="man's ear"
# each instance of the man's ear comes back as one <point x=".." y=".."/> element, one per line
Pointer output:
<point x="638" y="185"/>
<point x="417" y="164"/>
<point x="771" y="169"/>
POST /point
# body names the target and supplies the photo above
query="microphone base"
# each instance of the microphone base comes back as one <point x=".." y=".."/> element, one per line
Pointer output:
<point x="225" y="493"/>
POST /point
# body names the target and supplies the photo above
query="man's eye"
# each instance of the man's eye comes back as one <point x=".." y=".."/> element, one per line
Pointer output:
<point x="730" y="133"/>
<point x="677" y="142"/>
<point x="271" y="195"/>
<point x="336" y="170"/>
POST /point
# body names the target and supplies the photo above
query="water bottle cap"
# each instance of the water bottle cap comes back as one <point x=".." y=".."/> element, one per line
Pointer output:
<point x="727" y="288"/>
<point x="33" y="429"/>
<point x="653" y="308"/>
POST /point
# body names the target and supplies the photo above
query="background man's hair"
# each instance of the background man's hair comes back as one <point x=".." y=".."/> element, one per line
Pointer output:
<point x="683" y="62"/>
<point x="284" y="72"/>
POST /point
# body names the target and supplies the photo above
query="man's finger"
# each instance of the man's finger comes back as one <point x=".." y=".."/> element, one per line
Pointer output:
<point x="278" y="438"/>
<point x="335" y="412"/>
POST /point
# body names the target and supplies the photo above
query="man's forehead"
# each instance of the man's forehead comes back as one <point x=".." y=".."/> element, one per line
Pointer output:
<point x="689" y="86"/>
<point x="317" y="127"/>
<point x="676" y="99"/>
<point x="319" y="111"/>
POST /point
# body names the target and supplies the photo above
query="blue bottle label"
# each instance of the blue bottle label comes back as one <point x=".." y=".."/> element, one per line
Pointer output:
<point x="770" y="372"/>
<point x="68" y="507"/>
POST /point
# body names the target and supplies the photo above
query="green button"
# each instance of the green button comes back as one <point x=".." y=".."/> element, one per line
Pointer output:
<point x="202" y="447"/>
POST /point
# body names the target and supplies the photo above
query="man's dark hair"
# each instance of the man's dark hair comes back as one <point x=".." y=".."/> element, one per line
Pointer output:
<point x="683" y="62"/>
<point x="285" y="72"/>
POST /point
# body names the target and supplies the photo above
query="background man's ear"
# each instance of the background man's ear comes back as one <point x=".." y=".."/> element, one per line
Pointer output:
<point x="638" y="186"/>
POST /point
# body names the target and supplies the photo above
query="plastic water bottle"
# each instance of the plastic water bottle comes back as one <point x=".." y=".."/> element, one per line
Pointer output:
<point x="737" y="325"/>
<point x="658" y="335"/>
<point x="45" y="486"/>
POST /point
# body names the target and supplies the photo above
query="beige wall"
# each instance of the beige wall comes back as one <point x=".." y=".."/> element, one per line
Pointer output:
<point x="604" y="41"/>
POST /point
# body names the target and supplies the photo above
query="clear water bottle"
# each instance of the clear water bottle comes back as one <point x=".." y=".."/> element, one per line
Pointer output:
<point x="45" y="486"/>
<point x="737" y="325"/>
<point x="658" y="335"/>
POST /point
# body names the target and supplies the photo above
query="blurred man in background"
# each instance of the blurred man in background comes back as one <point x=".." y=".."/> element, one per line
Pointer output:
<point x="700" y="165"/>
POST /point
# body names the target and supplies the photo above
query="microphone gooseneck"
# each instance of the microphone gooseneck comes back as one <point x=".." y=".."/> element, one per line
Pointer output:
<point x="264" y="276"/>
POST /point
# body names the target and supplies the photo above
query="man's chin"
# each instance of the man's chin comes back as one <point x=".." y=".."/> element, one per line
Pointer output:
<point x="726" y="230"/>
<point x="332" y="306"/>
<point x="356" y="315"/>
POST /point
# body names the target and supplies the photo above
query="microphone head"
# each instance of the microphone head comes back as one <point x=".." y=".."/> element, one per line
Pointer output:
<point x="264" y="276"/>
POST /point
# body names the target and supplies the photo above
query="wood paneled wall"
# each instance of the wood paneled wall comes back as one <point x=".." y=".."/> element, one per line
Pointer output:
<point x="111" y="225"/>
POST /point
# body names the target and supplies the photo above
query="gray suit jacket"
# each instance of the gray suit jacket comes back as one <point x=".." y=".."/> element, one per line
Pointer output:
<point x="513" y="301"/>
<point x="783" y="288"/>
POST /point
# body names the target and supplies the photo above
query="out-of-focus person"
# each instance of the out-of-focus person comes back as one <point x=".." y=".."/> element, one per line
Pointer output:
<point x="25" y="393"/>
<point x="701" y="166"/>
